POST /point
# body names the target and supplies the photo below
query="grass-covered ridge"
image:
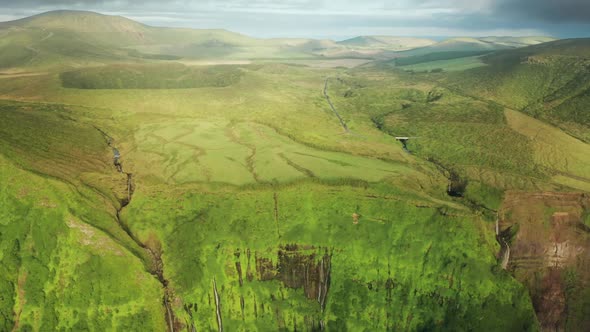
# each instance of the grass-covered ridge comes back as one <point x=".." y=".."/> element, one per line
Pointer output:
<point x="439" y="66"/>
<point x="548" y="81"/>
<point x="438" y="56"/>
<point x="58" y="233"/>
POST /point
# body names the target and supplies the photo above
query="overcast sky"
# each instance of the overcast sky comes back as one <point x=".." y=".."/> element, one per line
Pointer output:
<point x="339" y="19"/>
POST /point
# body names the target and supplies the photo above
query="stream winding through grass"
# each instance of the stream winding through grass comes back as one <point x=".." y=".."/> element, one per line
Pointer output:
<point x="334" y="108"/>
<point x="156" y="266"/>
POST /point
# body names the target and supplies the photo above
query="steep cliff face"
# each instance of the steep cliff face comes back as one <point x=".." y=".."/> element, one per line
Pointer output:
<point x="550" y="254"/>
<point x="401" y="265"/>
<point x="298" y="268"/>
<point x="295" y="267"/>
<point x="282" y="288"/>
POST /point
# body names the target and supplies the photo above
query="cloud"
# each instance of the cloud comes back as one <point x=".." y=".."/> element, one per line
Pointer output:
<point x="555" y="11"/>
<point x="339" y="18"/>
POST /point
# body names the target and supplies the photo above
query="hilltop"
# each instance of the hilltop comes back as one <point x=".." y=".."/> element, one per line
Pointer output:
<point x="81" y="21"/>
<point x="119" y="30"/>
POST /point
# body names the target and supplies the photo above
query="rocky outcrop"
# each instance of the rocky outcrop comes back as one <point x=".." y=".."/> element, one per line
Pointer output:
<point x="550" y="254"/>
<point x="299" y="267"/>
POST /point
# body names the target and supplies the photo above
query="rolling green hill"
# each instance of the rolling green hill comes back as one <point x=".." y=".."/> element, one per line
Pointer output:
<point x="120" y="31"/>
<point x="468" y="44"/>
<point x="387" y="42"/>
<point x="517" y="41"/>
<point x="549" y="81"/>
<point x="35" y="48"/>
<point x="105" y="35"/>
<point x="458" y="54"/>
<point x="81" y="21"/>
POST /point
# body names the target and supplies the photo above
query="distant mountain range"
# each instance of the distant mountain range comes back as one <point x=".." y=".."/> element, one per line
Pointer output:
<point x="94" y="37"/>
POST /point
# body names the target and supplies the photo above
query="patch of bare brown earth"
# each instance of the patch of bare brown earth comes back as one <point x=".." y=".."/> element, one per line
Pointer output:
<point x="550" y="254"/>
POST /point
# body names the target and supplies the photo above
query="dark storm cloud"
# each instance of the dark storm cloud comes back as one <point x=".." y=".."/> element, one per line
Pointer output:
<point x="556" y="11"/>
<point x="29" y="3"/>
